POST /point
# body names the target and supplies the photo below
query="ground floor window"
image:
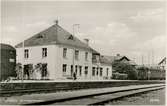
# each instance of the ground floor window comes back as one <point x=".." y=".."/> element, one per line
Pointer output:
<point x="80" y="70"/>
<point x="86" y="70"/>
<point x="101" y="71"/>
<point x="38" y="72"/>
<point x="71" y="70"/>
<point x="76" y="69"/>
<point x="107" y="71"/>
<point x="64" y="69"/>
<point x="93" y="71"/>
<point x="97" y="72"/>
<point x="44" y="72"/>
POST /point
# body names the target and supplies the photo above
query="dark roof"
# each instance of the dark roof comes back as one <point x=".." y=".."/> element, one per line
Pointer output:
<point x="163" y="60"/>
<point x="111" y="59"/>
<point x="95" y="52"/>
<point x="6" y="47"/>
<point x="123" y="57"/>
<point x="104" y="60"/>
<point x="54" y="35"/>
<point x="115" y="58"/>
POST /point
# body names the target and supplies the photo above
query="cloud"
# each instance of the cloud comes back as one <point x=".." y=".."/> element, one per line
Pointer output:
<point x="112" y="32"/>
<point x="117" y="37"/>
<point x="153" y="15"/>
<point x="110" y="39"/>
<point x="37" y="24"/>
<point x="9" y="29"/>
<point x="156" y="43"/>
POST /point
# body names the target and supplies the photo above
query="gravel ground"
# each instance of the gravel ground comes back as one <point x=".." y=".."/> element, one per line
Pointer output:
<point x="150" y="98"/>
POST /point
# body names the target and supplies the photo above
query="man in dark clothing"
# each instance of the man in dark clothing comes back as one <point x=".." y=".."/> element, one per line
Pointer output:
<point x="74" y="76"/>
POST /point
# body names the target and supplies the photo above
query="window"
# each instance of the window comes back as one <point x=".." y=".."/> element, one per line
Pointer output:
<point x="44" y="72"/>
<point x="26" y="53"/>
<point x="80" y="70"/>
<point x="76" y="69"/>
<point x="70" y="37"/>
<point x="71" y="70"/>
<point x="86" y="70"/>
<point x="64" y="52"/>
<point x="44" y="52"/>
<point x="101" y="71"/>
<point x="107" y="71"/>
<point x="97" y="72"/>
<point x="93" y="71"/>
<point x="40" y="36"/>
<point x="76" y="54"/>
<point x="64" y="69"/>
<point x="86" y="56"/>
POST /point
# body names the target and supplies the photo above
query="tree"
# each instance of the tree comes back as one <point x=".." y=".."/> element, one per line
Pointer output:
<point x="19" y="70"/>
<point x="38" y="71"/>
<point x="125" y="68"/>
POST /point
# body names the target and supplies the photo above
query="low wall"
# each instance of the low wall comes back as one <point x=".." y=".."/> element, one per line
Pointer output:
<point x="60" y="86"/>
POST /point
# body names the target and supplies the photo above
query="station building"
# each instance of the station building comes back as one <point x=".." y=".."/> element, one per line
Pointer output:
<point x="61" y="55"/>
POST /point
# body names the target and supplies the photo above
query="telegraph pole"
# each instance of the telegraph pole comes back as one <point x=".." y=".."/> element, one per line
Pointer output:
<point x="22" y="74"/>
<point x="74" y="48"/>
<point x="142" y="60"/>
<point x="152" y="57"/>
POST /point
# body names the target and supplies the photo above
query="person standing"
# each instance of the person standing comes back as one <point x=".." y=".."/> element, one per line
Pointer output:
<point x="74" y="76"/>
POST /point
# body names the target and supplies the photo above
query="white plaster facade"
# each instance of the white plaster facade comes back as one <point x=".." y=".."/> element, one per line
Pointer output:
<point x="106" y="71"/>
<point x="55" y="39"/>
<point x="35" y="57"/>
<point x="55" y="60"/>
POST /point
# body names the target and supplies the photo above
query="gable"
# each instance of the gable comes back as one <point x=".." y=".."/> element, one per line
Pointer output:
<point x="54" y="35"/>
<point x="124" y="59"/>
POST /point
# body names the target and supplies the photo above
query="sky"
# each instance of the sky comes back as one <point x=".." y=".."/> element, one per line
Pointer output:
<point x="132" y="28"/>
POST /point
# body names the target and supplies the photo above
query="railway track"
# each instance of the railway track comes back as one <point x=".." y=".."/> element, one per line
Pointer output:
<point x="99" y="98"/>
<point x="15" y="89"/>
<point x="80" y="97"/>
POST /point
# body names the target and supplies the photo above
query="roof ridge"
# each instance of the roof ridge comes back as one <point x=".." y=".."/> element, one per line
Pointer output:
<point x="54" y="34"/>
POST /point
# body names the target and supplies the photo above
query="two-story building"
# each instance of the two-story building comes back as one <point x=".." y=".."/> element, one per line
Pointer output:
<point x="101" y="67"/>
<point x="60" y="54"/>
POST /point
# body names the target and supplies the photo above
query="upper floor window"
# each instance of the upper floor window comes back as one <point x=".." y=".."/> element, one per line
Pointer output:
<point x="86" y="56"/>
<point x="44" y="52"/>
<point x="26" y="53"/>
<point x="95" y="58"/>
<point x="76" y="54"/>
<point x="64" y="52"/>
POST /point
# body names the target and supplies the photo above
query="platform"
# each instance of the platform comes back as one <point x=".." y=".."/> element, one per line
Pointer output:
<point x="45" y="97"/>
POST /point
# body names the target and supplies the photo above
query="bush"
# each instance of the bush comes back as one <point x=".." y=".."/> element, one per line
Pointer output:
<point x="120" y="76"/>
<point x="125" y="68"/>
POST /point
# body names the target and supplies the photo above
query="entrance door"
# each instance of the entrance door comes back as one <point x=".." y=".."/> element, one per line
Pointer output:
<point x="44" y="71"/>
<point x="26" y="73"/>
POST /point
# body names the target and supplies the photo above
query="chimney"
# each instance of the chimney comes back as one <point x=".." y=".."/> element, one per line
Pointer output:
<point x="118" y="54"/>
<point x="86" y="41"/>
<point x="56" y="22"/>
